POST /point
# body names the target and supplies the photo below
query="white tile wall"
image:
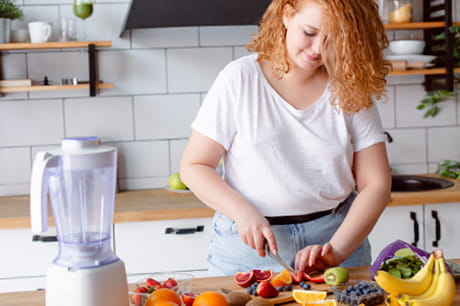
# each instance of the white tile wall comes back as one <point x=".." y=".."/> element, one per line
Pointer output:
<point x="160" y="76"/>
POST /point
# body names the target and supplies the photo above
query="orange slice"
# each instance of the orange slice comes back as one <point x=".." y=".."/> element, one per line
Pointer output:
<point x="321" y="303"/>
<point x="303" y="296"/>
<point x="282" y="279"/>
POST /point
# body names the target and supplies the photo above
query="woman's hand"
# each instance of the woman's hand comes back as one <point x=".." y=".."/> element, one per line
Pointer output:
<point x="255" y="231"/>
<point x="316" y="258"/>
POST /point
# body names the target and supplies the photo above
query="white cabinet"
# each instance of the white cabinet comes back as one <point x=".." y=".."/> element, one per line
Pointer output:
<point x="416" y="224"/>
<point x="23" y="262"/>
<point x="146" y="247"/>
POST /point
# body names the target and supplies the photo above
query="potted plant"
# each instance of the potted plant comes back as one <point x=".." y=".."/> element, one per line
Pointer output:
<point x="432" y="98"/>
<point x="8" y="11"/>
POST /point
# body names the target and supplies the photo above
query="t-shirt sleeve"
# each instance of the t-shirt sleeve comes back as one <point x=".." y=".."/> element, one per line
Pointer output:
<point x="366" y="128"/>
<point x="215" y="118"/>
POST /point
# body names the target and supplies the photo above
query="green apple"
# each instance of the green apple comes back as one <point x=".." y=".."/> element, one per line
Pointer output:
<point x="175" y="182"/>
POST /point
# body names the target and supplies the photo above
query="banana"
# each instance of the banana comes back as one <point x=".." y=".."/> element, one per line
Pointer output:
<point x="413" y="286"/>
<point x="444" y="293"/>
<point x="429" y="292"/>
<point x="391" y="300"/>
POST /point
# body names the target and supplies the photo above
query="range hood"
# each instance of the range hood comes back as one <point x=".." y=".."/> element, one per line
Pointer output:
<point x="182" y="13"/>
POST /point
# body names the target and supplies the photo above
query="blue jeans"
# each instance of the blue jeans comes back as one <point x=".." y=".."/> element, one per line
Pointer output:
<point x="228" y="254"/>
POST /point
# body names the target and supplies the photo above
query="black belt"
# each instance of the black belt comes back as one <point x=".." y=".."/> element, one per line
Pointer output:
<point x="301" y="218"/>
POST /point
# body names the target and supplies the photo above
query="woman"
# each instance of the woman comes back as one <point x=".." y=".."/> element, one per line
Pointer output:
<point x="305" y="165"/>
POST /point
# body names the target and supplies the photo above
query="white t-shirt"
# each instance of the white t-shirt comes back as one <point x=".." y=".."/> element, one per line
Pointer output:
<point x="285" y="161"/>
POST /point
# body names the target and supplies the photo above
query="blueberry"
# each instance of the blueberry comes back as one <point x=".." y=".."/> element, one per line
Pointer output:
<point x="249" y="290"/>
<point x="287" y="288"/>
<point x="306" y="286"/>
<point x="280" y="288"/>
<point x="301" y="284"/>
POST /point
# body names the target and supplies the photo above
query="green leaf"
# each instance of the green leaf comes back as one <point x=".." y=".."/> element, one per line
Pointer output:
<point x="421" y="106"/>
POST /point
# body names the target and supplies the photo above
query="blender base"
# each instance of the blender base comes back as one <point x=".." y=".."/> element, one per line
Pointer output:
<point x="101" y="286"/>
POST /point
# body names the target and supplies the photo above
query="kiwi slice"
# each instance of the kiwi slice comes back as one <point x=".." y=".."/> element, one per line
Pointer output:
<point x="336" y="276"/>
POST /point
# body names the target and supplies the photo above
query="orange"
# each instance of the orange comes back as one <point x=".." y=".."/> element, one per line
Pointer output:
<point x="165" y="303"/>
<point x="322" y="303"/>
<point x="303" y="296"/>
<point x="163" y="295"/>
<point x="210" y="298"/>
<point x="282" y="279"/>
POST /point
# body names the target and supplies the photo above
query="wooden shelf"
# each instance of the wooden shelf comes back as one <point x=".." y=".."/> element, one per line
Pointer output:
<point x="415" y="25"/>
<point x="53" y="87"/>
<point x="54" y="45"/>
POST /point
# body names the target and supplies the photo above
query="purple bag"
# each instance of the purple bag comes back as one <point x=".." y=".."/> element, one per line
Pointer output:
<point x="389" y="251"/>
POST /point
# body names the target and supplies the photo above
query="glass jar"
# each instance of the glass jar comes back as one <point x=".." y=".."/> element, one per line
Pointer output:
<point x="401" y="12"/>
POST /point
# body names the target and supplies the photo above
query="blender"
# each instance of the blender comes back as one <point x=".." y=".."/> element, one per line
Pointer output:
<point x="80" y="179"/>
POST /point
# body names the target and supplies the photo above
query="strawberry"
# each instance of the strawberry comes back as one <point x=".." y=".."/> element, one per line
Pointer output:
<point x="137" y="298"/>
<point x="297" y="276"/>
<point x="316" y="278"/>
<point x="151" y="282"/>
<point x="265" y="289"/>
<point x="170" y="283"/>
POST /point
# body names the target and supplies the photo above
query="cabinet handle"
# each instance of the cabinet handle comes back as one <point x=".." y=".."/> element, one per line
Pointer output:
<point x="413" y="216"/>
<point x="186" y="230"/>
<point x="44" y="238"/>
<point x="434" y="214"/>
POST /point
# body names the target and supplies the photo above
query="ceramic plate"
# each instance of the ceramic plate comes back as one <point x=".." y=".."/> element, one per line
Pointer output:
<point x="411" y="58"/>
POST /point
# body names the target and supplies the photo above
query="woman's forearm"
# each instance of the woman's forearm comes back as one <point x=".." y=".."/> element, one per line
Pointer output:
<point x="361" y="218"/>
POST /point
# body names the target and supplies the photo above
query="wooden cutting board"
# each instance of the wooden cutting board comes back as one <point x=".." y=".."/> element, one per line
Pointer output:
<point x="286" y="296"/>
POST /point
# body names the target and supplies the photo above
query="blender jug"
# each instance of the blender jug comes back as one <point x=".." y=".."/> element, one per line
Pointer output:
<point x="80" y="179"/>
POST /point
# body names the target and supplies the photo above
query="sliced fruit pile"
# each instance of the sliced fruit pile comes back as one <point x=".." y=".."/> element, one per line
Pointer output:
<point x="150" y="286"/>
<point x="245" y="279"/>
<point x="431" y="285"/>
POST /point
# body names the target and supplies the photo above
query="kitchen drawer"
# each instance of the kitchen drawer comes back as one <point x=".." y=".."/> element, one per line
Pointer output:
<point x="22" y="284"/>
<point x="20" y="256"/>
<point x="145" y="247"/>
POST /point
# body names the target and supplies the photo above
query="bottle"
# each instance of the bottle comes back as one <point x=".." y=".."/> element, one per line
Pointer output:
<point x="401" y="12"/>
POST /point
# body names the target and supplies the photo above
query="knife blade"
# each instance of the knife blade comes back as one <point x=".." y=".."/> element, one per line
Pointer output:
<point x="278" y="259"/>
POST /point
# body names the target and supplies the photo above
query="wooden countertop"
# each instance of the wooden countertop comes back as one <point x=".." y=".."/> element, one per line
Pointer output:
<point x="161" y="204"/>
<point x="37" y="298"/>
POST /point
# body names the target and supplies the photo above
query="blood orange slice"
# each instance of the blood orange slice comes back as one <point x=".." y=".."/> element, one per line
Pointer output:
<point x="262" y="275"/>
<point x="244" y="279"/>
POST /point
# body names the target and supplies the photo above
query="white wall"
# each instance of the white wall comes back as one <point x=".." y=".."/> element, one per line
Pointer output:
<point x="161" y="76"/>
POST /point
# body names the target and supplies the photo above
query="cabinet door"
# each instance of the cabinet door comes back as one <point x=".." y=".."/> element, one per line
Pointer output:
<point x="145" y="247"/>
<point x="20" y="256"/>
<point x="21" y="284"/>
<point x="398" y="222"/>
<point x="442" y="228"/>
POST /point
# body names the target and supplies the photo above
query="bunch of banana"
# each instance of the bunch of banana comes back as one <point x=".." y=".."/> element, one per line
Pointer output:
<point x="431" y="285"/>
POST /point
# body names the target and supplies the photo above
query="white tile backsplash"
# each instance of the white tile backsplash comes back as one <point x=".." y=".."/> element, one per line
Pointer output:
<point x="160" y="77"/>
<point x="444" y="143"/>
<point x="110" y="118"/>
<point x="407" y="114"/>
<point x="408" y="146"/>
<point x="164" y="116"/>
<point x="194" y="69"/>
<point x="143" y="159"/>
<point x="134" y="71"/>
<point x="15" y="165"/>
<point x="226" y="35"/>
<point x="165" y="37"/>
<point x="32" y="122"/>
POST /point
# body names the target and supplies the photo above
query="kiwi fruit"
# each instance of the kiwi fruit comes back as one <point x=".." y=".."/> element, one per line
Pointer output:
<point x="236" y="298"/>
<point x="259" y="302"/>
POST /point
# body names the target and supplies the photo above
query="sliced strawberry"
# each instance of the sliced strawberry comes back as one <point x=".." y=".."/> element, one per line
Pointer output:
<point x="266" y="290"/>
<point x="315" y="278"/>
<point x="151" y="282"/>
<point x="297" y="276"/>
<point x="137" y="299"/>
<point x="170" y="283"/>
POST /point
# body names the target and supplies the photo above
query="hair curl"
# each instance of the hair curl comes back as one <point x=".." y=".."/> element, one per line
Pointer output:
<point x="353" y="40"/>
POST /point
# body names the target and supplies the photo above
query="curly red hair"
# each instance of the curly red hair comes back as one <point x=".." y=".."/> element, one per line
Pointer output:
<point x="353" y="40"/>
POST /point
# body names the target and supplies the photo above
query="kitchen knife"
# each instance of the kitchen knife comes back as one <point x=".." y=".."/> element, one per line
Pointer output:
<point x="278" y="259"/>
